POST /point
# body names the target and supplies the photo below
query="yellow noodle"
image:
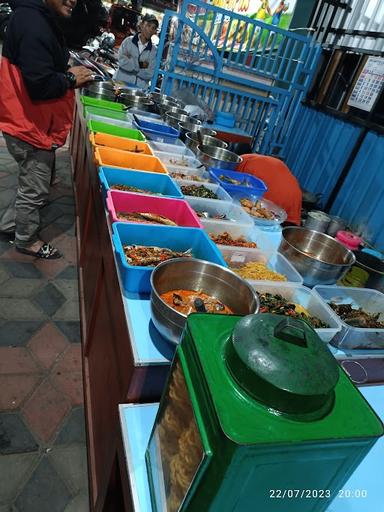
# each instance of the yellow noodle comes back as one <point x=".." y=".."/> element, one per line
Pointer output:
<point x="258" y="271"/>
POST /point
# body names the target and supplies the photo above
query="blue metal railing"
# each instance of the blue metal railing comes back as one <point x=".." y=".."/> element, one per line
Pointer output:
<point x="236" y="64"/>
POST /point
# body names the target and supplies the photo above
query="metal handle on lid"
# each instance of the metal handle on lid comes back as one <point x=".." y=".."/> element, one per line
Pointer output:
<point x="291" y="331"/>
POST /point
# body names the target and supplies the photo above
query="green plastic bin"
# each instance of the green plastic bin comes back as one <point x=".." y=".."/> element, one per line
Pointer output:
<point x="94" y="102"/>
<point x="129" y="133"/>
<point x="104" y="112"/>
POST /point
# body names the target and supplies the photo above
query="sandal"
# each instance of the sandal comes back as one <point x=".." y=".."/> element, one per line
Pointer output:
<point x="46" y="252"/>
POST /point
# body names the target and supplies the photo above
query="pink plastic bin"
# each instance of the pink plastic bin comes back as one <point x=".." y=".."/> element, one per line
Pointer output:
<point x="177" y="210"/>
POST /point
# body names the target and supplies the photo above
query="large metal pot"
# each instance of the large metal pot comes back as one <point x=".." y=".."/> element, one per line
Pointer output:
<point x="185" y="127"/>
<point x="319" y="258"/>
<point x="165" y="105"/>
<point x="192" y="141"/>
<point x="220" y="158"/>
<point x="101" y="87"/>
<point x="173" y="119"/>
<point x="137" y="93"/>
<point x="136" y="101"/>
<point x="194" y="274"/>
<point x="158" y="97"/>
<point x="175" y="110"/>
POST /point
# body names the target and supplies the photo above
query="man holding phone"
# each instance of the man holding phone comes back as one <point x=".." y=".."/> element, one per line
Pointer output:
<point x="137" y="55"/>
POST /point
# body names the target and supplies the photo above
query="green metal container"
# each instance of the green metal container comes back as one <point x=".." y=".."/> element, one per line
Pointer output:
<point x="111" y="129"/>
<point x="255" y="408"/>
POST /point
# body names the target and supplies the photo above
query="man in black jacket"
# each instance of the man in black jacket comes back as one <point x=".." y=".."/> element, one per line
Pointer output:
<point x="36" y="105"/>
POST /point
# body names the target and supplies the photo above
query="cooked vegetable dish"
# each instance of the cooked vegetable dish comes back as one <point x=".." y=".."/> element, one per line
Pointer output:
<point x="191" y="301"/>
<point x="226" y="239"/>
<point x="277" y="304"/>
<point x="198" y="191"/>
<point x="150" y="256"/>
<point x="357" y="317"/>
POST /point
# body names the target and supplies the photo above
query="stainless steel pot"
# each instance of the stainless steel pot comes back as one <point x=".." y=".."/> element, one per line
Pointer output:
<point x="165" y="105"/>
<point x="336" y="224"/>
<point x="137" y="93"/>
<point x="212" y="156"/>
<point x="194" y="274"/>
<point x="173" y="119"/>
<point x="136" y="101"/>
<point x="158" y="97"/>
<point x="175" y="110"/>
<point x="192" y="140"/>
<point x="317" y="220"/>
<point x="101" y="87"/>
<point x="319" y="258"/>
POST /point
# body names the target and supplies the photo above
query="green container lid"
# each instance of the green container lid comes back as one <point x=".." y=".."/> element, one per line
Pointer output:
<point x="111" y="129"/>
<point x="95" y="102"/>
<point x="283" y="364"/>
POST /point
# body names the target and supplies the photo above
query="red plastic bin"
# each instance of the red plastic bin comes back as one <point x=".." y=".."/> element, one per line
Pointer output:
<point x="177" y="210"/>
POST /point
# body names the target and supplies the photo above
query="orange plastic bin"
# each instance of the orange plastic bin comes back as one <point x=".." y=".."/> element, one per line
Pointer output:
<point x="112" y="141"/>
<point x="109" y="157"/>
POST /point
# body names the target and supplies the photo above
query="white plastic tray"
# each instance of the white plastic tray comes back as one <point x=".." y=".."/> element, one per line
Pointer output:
<point x="307" y="298"/>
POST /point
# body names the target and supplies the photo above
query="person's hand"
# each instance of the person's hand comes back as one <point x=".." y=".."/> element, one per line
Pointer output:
<point x="82" y="74"/>
<point x="144" y="64"/>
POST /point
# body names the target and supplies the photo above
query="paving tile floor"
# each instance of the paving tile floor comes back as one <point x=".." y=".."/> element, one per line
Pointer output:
<point x="43" y="463"/>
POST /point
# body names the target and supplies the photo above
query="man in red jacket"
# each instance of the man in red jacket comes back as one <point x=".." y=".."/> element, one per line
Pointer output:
<point x="36" y="105"/>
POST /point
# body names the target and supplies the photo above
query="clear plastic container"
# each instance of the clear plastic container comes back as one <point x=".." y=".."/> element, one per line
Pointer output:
<point x="179" y="147"/>
<point x="177" y="160"/>
<point x="371" y="301"/>
<point x="219" y="191"/>
<point x="307" y="298"/>
<point x="238" y="256"/>
<point x="233" y="213"/>
<point x="190" y="173"/>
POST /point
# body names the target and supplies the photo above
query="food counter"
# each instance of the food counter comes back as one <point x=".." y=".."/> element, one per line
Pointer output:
<point x="125" y="360"/>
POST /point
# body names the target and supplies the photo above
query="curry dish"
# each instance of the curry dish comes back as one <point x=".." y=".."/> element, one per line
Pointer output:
<point x="191" y="301"/>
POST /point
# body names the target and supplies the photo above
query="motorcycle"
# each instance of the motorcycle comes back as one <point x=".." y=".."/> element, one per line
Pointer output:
<point x="99" y="56"/>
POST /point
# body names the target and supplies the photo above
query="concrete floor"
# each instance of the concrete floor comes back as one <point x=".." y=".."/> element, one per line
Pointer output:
<point x="43" y="464"/>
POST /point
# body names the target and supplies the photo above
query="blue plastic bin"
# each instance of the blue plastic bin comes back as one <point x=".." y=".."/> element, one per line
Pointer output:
<point x="158" y="132"/>
<point x="137" y="279"/>
<point x="158" y="183"/>
<point x="253" y="186"/>
<point x="225" y="119"/>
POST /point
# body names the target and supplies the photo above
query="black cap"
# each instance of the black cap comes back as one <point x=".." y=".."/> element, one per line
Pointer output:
<point x="150" y="18"/>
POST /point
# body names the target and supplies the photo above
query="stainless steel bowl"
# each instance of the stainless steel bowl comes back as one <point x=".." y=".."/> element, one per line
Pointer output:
<point x="194" y="274"/>
<point x="319" y="258"/>
<point x="158" y="97"/>
<point x="173" y="119"/>
<point x="194" y="127"/>
<point x="165" y="105"/>
<point x="212" y="156"/>
<point x="175" y="110"/>
<point x="101" y="87"/>
<point x="106" y="95"/>
<point x="137" y="93"/>
<point x="136" y="101"/>
<point x="192" y="141"/>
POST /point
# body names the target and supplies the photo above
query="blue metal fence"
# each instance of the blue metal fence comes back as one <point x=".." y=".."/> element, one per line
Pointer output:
<point x="256" y="71"/>
<point x="318" y="150"/>
<point x="361" y="198"/>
